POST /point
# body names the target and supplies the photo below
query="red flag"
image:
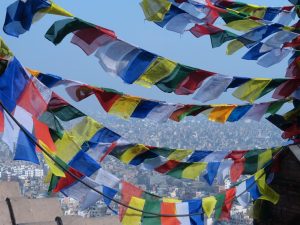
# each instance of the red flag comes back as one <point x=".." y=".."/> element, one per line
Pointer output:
<point x="32" y="101"/>
<point x="286" y="89"/>
<point x="192" y="82"/>
<point x="127" y="192"/>
<point x="42" y="133"/>
<point x="237" y="169"/>
<point x="90" y="39"/>
<point x="65" y="182"/>
<point x="293" y="69"/>
<point x="169" y="165"/>
<point x="229" y="198"/>
<point x="169" y="208"/>
<point x="206" y="29"/>
<point x="106" y="99"/>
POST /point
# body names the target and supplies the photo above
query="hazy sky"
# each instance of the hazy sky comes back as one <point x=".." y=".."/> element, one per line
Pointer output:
<point x="127" y="20"/>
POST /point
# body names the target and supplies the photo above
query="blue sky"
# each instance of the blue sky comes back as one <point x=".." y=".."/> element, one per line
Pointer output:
<point x="127" y="20"/>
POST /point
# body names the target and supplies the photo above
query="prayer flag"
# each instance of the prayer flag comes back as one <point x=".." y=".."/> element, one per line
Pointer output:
<point x="90" y="39"/>
<point x="221" y="113"/>
<point x="228" y="202"/>
<point x="169" y="208"/>
<point x="18" y="142"/>
<point x="242" y="194"/>
<point x="208" y="205"/>
<point x="19" y="15"/>
<point x="251" y="90"/>
<point x="182" y="208"/>
<point x="213" y="88"/>
<point x="155" y="10"/>
<point x="159" y="69"/>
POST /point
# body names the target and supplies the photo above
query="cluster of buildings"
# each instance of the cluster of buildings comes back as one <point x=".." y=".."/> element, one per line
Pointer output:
<point x="196" y="133"/>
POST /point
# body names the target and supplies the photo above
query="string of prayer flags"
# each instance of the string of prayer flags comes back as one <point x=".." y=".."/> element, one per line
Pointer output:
<point x="139" y="199"/>
<point x="120" y="58"/>
<point x="192" y="211"/>
<point x="256" y="21"/>
<point x="126" y="106"/>
<point x="135" y="65"/>
<point x="175" y="18"/>
<point x="191" y="164"/>
<point x="241" y="9"/>
<point x="21" y="14"/>
<point x="238" y="16"/>
<point x="174" y="162"/>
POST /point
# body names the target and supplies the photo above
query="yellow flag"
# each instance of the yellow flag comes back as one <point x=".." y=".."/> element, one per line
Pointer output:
<point x="243" y="25"/>
<point x="124" y="106"/>
<point x="252" y="89"/>
<point x="70" y="144"/>
<point x="234" y="46"/>
<point x="253" y="10"/>
<point x="4" y="50"/>
<point x="265" y="190"/>
<point x="57" y="10"/>
<point x="66" y="148"/>
<point x="85" y="130"/>
<point x="155" y="10"/>
<point x="53" y="168"/>
<point x="209" y="205"/>
<point x="179" y="154"/>
<point x="132" y="152"/>
<point x="158" y="70"/>
<point x="133" y="217"/>
<point x="48" y="177"/>
<point x="221" y="113"/>
<point x="263" y="158"/>
<point x="194" y="170"/>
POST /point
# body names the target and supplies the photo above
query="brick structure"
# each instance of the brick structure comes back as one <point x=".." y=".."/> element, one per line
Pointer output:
<point x="287" y="184"/>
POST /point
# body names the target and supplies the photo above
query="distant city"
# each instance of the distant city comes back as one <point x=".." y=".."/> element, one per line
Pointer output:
<point x="197" y="133"/>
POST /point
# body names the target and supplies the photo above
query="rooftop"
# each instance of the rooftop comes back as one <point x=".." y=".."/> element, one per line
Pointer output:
<point x="15" y="209"/>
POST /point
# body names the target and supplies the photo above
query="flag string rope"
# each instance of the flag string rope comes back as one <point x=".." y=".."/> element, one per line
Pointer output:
<point x="112" y="199"/>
